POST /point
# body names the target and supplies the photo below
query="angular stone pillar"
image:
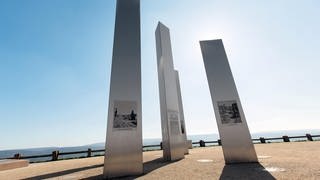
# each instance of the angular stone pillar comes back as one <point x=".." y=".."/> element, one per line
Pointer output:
<point x="182" y="121"/>
<point x="172" y="140"/>
<point x="233" y="129"/>
<point x="124" y="130"/>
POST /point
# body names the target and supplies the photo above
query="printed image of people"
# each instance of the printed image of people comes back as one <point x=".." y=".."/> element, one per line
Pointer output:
<point x="125" y="116"/>
<point x="229" y="112"/>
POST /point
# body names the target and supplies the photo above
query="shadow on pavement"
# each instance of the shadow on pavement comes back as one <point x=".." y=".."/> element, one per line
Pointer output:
<point x="155" y="164"/>
<point x="147" y="168"/>
<point x="245" y="171"/>
<point x="62" y="173"/>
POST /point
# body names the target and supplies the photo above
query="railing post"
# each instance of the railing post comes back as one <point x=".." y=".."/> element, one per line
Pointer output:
<point x="89" y="152"/>
<point x="309" y="137"/>
<point x="17" y="156"/>
<point x="202" y="143"/>
<point x="219" y="142"/>
<point x="161" y="146"/>
<point x="285" y="139"/>
<point x="262" y="140"/>
<point x="55" y="155"/>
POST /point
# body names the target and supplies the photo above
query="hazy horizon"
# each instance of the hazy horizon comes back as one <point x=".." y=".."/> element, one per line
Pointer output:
<point x="280" y="132"/>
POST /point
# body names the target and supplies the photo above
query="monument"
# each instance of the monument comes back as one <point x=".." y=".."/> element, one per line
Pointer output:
<point x="233" y="129"/>
<point x="182" y="121"/>
<point x="124" y="130"/>
<point x="172" y="139"/>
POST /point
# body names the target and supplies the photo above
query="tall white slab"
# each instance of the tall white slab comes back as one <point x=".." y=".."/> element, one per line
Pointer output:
<point x="124" y="130"/>
<point x="172" y="138"/>
<point x="233" y="129"/>
<point x="182" y="121"/>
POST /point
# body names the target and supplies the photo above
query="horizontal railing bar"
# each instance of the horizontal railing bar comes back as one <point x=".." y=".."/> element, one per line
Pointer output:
<point x="6" y="158"/>
<point x="100" y="150"/>
<point x="151" y="146"/>
<point x="273" y="138"/>
<point x="211" y="141"/>
<point x="148" y="146"/>
<point x="298" y="137"/>
<point x="76" y="152"/>
<point x="38" y="156"/>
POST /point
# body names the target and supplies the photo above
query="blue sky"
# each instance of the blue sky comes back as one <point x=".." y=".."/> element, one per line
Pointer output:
<point x="55" y="62"/>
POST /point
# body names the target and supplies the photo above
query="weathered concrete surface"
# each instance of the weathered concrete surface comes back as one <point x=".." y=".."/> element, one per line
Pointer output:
<point x="12" y="164"/>
<point x="295" y="160"/>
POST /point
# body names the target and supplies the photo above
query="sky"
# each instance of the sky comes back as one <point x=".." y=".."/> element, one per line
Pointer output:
<point x="55" y="65"/>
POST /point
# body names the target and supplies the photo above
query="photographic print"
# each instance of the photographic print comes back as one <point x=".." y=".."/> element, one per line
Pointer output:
<point x="125" y="115"/>
<point x="173" y="117"/>
<point x="229" y="112"/>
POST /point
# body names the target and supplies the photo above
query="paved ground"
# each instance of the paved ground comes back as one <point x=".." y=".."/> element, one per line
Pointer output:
<point x="297" y="160"/>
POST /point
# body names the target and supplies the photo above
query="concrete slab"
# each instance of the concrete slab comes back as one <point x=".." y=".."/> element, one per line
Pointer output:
<point x="293" y="160"/>
<point x="7" y="164"/>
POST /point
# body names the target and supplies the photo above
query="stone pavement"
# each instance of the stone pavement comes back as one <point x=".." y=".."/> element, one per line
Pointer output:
<point x="295" y="160"/>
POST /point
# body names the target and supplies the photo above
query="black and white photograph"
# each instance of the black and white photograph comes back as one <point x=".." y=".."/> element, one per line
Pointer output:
<point x="229" y="112"/>
<point x="125" y="115"/>
<point x="173" y="117"/>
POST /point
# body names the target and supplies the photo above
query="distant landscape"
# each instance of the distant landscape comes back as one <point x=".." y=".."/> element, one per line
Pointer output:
<point x="155" y="141"/>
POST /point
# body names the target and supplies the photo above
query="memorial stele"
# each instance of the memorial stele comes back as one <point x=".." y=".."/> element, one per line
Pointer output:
<point x="233" y="129"/>
<point x="124" y="129"/>
<point x="173" y="142"/>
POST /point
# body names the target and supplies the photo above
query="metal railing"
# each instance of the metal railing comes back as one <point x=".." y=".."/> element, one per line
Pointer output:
<point x="89" y="153"/>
